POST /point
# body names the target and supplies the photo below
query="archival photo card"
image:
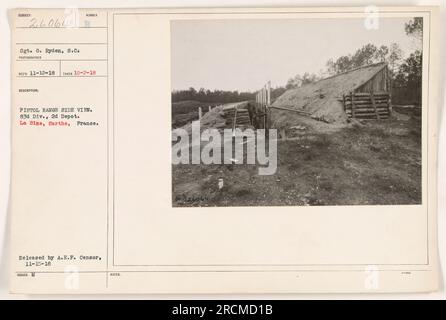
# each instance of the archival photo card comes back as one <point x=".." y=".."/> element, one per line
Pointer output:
<point x="224" y="150"/>
<point x="296" y="112"/>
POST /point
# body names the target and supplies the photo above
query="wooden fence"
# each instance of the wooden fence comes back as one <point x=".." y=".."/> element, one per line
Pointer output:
<point x="263" y="102"/>
<point x="237" y="115"/>
<point x="367" y="106"/>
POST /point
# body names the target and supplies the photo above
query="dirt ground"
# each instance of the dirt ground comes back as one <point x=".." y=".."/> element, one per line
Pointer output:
<point x="374" y="163"/>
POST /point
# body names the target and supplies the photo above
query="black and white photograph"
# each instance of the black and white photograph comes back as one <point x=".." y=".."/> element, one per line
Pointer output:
<point x="296" y="112"/>
<point x="229" y="150"/>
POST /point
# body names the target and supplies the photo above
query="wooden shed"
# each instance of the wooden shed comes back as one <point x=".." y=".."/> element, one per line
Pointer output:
<point x="362" y="93"/>
<point x="370" y="100"/>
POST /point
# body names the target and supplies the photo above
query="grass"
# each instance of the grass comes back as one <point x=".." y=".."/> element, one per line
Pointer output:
<point x="378" y="164"/>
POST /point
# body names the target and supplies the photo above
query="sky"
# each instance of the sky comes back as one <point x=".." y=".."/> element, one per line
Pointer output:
<point x="244" y="54"/>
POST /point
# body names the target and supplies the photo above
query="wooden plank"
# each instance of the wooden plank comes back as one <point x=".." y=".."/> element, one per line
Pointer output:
<point x="269" y="93"/>
<point x="372" y="114"/>
<point x="292" y="110"/>
<point x="367" y="94"/>
<point x="370" y="117"/>
<point x="235" y="120"/>
<point x="242" y="116"/>
<point x="364" y="100"/>
<point x="368" y="111"/>
<point x="374" y="105"/>
<point x="368" y="108"/>
<point x="389" y="107"/>
<point x="367" y="105"/>
<point x="353" y="104"/>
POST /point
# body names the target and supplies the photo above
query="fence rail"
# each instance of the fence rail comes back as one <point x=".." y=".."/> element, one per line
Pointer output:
<point x="263" y="104"/>
<point x="363" y="105"/>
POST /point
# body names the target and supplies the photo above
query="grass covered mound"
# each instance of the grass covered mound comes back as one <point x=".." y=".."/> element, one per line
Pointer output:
<point x="378" y="163"/>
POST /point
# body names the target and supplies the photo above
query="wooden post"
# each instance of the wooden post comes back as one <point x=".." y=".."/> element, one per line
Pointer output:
<point x="353" y="104"/>
<point x="269" y="93"/>
<point x="234" y="121"/>
<point x="263" y="101"/>
<point x="372" y="98"/>
<point x="210" y="108"/>
<point x="268" y="120"/>
<point x="389" y="90"/>
<point x="264" y="106"/>
<point x="257" y="105"/>
<point x="200" y="113"/>
<point x="389" y="104"/>
<point x="266" y="109"/>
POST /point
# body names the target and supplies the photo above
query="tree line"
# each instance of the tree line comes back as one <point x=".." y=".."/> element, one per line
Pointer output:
<point x="215" y="96"/>
<point x="405" y="74"/>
